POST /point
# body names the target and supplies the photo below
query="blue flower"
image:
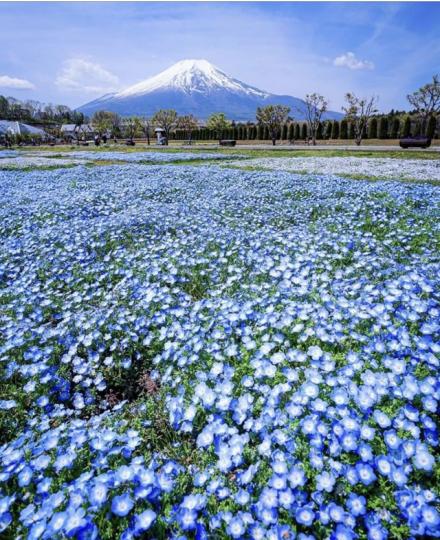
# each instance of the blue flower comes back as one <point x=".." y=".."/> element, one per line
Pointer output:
<point x="144" y="520"/>
<point x="305" y="515"/>
<point x="423" y="460"/>
<point x="365" y="473"/>
<point x="122" y="504"/>
<point x="356" y="504"/>
<point x="236" y="528"/>
<point x="98" y="494"/>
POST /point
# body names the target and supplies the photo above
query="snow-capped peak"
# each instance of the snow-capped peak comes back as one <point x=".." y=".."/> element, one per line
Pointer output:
<point x="191" y="76"/>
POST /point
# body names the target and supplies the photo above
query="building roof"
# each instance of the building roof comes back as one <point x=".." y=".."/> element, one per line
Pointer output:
<point x="12" y="127"/>
<point x="73" y="128"/>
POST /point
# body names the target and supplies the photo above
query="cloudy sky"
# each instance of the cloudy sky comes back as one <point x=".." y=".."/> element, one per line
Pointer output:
<point x="71" y="53"/>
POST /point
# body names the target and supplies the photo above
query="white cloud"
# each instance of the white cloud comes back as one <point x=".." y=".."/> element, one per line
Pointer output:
<point x="13" y="82"/>
<point x="350" y="61"/>
<point x="86" y="76"/>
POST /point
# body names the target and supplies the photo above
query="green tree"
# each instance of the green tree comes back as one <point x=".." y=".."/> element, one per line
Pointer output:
<point x="165" y="119"/>
<point x="304" y="133"/>
<point x="406" y="131"/>
<point x="132" y="127"/>
<point x="344" y="129"/>
<point x="351" y="131"/>
<point x="272" y="117"/>
<point x="383" y="127"/>
<point x="188" y="124"/>
<point x="431" y="127"/>
<point x="372" y="128"/>
<point x="105" y="121"/>
<point x="395" y="127"/>
<point x="218" y="123"/>
<point x="335" y="129"/>
<point x="4" y="108"/>
<point x="319" y="132"/>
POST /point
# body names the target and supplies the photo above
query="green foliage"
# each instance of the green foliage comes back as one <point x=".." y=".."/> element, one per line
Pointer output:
<point x="272" y="117"/>
<point x="344" y="129"/>
<point x="383" y="127"/>
<point x="395" y="128"/>
<point x="372" y="128"/>
<point x="218" y="122"/>
<point x="431" y="127"/>
<point x="406" y="131"/>
<point x="304" y="133"/>
<point x="335" y="130"/>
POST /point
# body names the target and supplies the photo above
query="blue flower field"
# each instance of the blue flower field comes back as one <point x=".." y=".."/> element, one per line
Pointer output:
<point x="202" y="352"/>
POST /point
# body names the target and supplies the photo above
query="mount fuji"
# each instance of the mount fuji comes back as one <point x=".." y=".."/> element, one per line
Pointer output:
<point x="195" y="87"/>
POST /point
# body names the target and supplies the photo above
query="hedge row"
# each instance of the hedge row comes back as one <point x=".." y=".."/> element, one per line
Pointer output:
<point x="378" y="128"/>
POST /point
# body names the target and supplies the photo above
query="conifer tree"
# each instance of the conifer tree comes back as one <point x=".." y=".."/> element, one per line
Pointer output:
<point x="372" y="128"/>
<point x="344" y="129"/>
<point x="383" y="127"/>
<point x="406" y="131"/>
<point x="335" y="130"/>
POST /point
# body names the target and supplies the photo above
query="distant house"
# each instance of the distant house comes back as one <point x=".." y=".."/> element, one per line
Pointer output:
<point x="11" y="127"/>
<point x="71" y="132"/>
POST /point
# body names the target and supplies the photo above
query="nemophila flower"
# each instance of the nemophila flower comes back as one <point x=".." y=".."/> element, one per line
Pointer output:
<point x="144" y="520"/>
<point x="356" y="504"/>
<point x="173" y="263"/>
<point x="365" y="473"/>
<point x="423" y="460"/>
<point x="98" y="494"/>
<point x="236" y="527"/>
<point x="377" y="532"/>
<point x="325" y="481"/>
<point x="305" y="515"/>
<point x="122" y="504"/>
<point x="296" y="477"/>
<point x="187" y="519"/>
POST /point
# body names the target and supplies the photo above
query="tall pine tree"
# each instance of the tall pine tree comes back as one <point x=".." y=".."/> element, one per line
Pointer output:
<point x="344" y="129"/>
<point x="383" y="127"/>
<point x="372" y="128"/>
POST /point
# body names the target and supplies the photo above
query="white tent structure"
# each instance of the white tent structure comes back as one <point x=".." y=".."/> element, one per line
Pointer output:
<point x="10" y="127"/>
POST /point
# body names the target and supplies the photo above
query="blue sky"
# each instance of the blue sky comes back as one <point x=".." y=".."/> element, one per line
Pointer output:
<point x="73" y="52"/>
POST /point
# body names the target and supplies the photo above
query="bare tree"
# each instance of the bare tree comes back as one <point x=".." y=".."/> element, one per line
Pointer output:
<point x="316" y="106"/>
<point x="218" y="123"/>
<point x="188" y="123"/>
<point x="273" y="117"/>
<point x="426" y="101"/>
<point x="165" y="119"/>
<point x="146" y="124"/>
<point x="358" y="111"/>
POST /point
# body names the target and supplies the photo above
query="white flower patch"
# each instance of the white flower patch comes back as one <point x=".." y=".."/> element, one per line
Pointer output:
<point x="417" y="169"/>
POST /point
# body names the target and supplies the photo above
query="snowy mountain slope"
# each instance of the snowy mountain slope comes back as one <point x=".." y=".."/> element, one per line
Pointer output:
<point x="194" y="87"/>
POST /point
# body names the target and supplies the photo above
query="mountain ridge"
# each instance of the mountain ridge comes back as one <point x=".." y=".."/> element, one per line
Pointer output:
<point x="195" y="86"/>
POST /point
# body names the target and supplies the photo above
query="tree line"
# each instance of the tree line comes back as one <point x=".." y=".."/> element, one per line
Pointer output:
<point x="35" y="112"/>
<point x="273" y="122"/>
